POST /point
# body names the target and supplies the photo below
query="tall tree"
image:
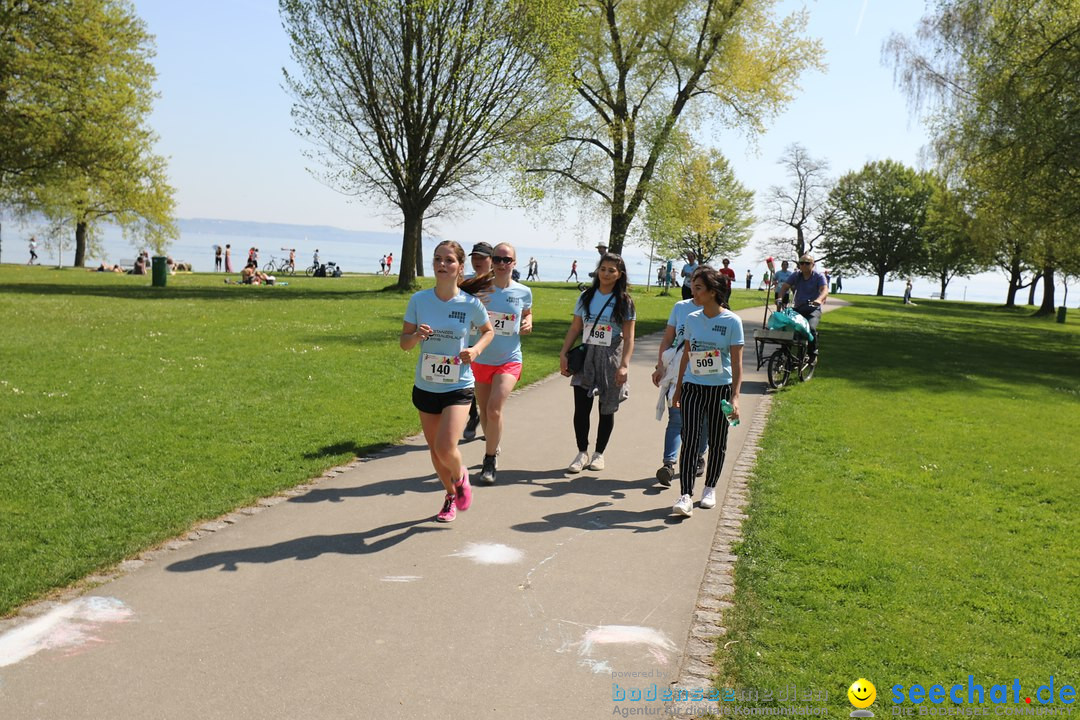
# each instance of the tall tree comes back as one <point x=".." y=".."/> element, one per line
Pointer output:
<point x="698" y="205"/>
<point x="802" y="204"/>
<point x="421" y="102"/>
<point x="1001" y="77"/>
<point x="75" y="103"/>
<point x="643" y="67"/>
<point x="878" y="214"/>
<point x="949" y="250"/>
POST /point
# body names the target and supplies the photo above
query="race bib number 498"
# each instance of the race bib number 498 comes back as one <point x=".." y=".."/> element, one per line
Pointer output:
<point x="440" y="368"/>
<point x="599" y="334"/>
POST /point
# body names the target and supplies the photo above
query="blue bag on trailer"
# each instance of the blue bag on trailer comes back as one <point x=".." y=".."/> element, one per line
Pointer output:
<point x="788" y="319"/>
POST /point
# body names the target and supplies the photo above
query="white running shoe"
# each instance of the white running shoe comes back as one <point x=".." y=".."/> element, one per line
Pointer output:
<point x="708" y="499"/>
<point x="597" y="461"/>
<point x="684" y="506"/>
<point x="580" y="460"/>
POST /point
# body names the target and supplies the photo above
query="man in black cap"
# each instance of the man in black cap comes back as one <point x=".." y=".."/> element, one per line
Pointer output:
<point x="480" y="256"/>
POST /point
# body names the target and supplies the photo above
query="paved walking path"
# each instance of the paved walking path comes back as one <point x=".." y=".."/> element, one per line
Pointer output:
<point x="347" y="600"/>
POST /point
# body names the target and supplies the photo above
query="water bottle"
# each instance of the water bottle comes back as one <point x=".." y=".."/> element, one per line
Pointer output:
<point x="725" y="406"/>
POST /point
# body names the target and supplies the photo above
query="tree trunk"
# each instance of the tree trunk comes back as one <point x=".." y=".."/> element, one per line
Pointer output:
<point x="881" y="284"/>
<point x="1014" y="285"/>
<point x="80" y="244"/>
<point x="1031" y="292"/>
<point x="1047" y="307"/>
<point x="410" y="242"/>
<point x="617" y="233"/>
<point x="420" y="255"/>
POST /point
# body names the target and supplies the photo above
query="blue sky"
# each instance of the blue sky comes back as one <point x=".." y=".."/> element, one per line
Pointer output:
<point x="224" y="121"/>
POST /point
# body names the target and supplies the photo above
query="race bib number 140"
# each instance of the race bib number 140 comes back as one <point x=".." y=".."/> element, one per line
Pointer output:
<point x="440" y="368"/>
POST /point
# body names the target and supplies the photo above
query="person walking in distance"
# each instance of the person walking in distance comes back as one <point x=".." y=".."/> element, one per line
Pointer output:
<point x="439" y="320"/>
<point x="573" y="272"/>
<point x="749" y="278"/>
<point x="217" y="258"/>
<point x="497" y="370"/>
<point x="382" y="265"/>
<point x="604" y="319"/>
<point x="33" y="251"/>
<point x="228" y="258"/>
<point x="389" y="264"/>
<point x="710" y="374"/>
<point x="687" y="271"/>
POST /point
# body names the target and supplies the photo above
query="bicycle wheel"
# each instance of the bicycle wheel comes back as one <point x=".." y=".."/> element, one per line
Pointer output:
<point x="777" y="369"/>
<point x="269" y="266"/>
<point x="807" y="370"/>
<point x="310" y="271"/>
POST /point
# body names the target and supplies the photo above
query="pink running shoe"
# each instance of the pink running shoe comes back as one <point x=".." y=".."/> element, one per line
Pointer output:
<point x="464" y="491"/>
<point x="449" y="510"/>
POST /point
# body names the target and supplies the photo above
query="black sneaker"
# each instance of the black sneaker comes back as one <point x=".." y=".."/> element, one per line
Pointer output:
<point x="665" y="474"/>
<point x="470" y="428"/>
<point x="700" y="470"/>
<point x="487" y="475"/>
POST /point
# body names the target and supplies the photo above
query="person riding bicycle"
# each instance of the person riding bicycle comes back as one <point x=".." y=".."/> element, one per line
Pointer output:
<point x="811" y="289"/>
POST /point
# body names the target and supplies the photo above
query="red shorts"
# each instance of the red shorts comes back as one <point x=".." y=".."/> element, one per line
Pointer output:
<point x="484" y="373"/>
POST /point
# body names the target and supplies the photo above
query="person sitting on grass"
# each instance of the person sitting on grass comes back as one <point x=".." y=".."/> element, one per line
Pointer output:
<point x="251" y="275"/>
<point x="105" y="267"/>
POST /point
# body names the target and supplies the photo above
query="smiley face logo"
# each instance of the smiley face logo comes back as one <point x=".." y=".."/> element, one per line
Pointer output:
<point x="862" y="693"/>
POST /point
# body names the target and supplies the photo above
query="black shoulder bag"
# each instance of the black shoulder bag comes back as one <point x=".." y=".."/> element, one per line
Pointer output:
<point x="575" y="356"/>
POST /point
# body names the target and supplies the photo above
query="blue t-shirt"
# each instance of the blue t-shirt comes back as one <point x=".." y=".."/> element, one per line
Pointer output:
<point x="450" y="322"/>
<point x="782" y="276"/>
<point x="505" y="307"/>
<point x="606" y="323"/>
<point x="713" y="339"/>
<point x="806" y="289"/>
<point x="677" y="319"/>
<point x="687" y="272"/>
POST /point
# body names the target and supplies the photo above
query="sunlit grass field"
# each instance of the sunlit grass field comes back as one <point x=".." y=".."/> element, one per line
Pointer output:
<point x="914" y="515"/>
<point x="128" y="413"/>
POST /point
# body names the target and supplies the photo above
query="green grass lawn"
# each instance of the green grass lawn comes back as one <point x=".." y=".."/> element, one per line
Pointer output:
<point x="914" y="514"/>
<point x="129" y="413"/>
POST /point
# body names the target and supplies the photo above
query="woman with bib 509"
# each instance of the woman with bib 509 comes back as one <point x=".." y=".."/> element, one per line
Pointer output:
<point x="439" y="321"/>
<point x="710" y="373"/>
<point x="604" y="320"/>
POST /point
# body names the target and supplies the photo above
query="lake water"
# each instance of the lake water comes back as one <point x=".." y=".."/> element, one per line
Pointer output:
<point x="360" y="253"/>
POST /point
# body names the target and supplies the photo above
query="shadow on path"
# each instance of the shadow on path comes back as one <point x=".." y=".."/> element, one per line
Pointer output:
<point x="308" y="548"/>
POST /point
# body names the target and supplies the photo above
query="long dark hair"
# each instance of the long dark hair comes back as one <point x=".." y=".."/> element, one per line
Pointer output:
<point x="624" y="305"/>
<point x="719" y="285"/>
<point x="474" y="284"/>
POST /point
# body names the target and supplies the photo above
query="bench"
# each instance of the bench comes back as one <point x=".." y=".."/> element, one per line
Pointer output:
<point x="937" y="296"/>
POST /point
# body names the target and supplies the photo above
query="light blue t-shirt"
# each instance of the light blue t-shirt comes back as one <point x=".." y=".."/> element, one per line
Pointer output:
<point x="713" y="339"/>
<point x="505" y="307"/>
<point x="677" y="319"/>
<point x="450" y="322"/>
<point x="781" y="277"/>
<point x="606" y="323"/>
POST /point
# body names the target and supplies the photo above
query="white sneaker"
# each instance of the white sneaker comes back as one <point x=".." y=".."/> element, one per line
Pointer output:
<point x="708" y="499"/>
<point x="579" y="462"/>
<point x="684" y="506"/>
<point x="597" y="461"/>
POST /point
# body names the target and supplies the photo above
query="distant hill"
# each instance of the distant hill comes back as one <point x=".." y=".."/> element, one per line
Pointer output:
<point x="207" y="226"/>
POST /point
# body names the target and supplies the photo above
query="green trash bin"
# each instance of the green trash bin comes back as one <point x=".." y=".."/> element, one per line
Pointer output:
<point x="160" y="270"/>
<point x="1061" y="314"/>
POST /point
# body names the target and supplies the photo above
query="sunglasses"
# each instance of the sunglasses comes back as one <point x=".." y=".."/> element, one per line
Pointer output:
<point x="501" y="259"/>
<point x="804" y="262"/>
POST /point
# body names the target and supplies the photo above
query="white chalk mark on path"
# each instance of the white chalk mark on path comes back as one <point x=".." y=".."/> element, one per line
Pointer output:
<point x="70" y="626"/>
<point x="491" y="554"/>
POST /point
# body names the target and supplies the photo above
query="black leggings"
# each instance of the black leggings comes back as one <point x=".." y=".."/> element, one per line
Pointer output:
<point x="698" y="403"/>
<point x="582" y="410"/>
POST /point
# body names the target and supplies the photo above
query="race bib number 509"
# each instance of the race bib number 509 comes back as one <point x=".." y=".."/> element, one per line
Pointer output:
<point x="706" y="362"/>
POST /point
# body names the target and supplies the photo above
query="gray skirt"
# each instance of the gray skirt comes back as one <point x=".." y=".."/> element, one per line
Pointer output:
<point x="601" y="364"/>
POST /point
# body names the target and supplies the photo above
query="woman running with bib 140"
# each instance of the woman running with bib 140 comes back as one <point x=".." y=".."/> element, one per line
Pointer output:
<point x="439" y="321"/>
<point x="509" y="306"/>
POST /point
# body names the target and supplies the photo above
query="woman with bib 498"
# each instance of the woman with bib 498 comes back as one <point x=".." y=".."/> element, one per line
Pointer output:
<point x="604" y="320"/>
<point x="439" y="320"/>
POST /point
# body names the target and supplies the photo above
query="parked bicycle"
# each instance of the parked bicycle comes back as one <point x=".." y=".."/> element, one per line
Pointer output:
<point x="279" y="266"/>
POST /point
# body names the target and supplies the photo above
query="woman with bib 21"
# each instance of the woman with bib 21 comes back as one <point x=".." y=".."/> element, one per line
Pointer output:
<point x="439" y="320"/>
<point x="604" y="320"/>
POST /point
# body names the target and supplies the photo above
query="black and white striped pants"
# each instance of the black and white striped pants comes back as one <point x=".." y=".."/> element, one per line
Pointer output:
<point x="698" y="403"/>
